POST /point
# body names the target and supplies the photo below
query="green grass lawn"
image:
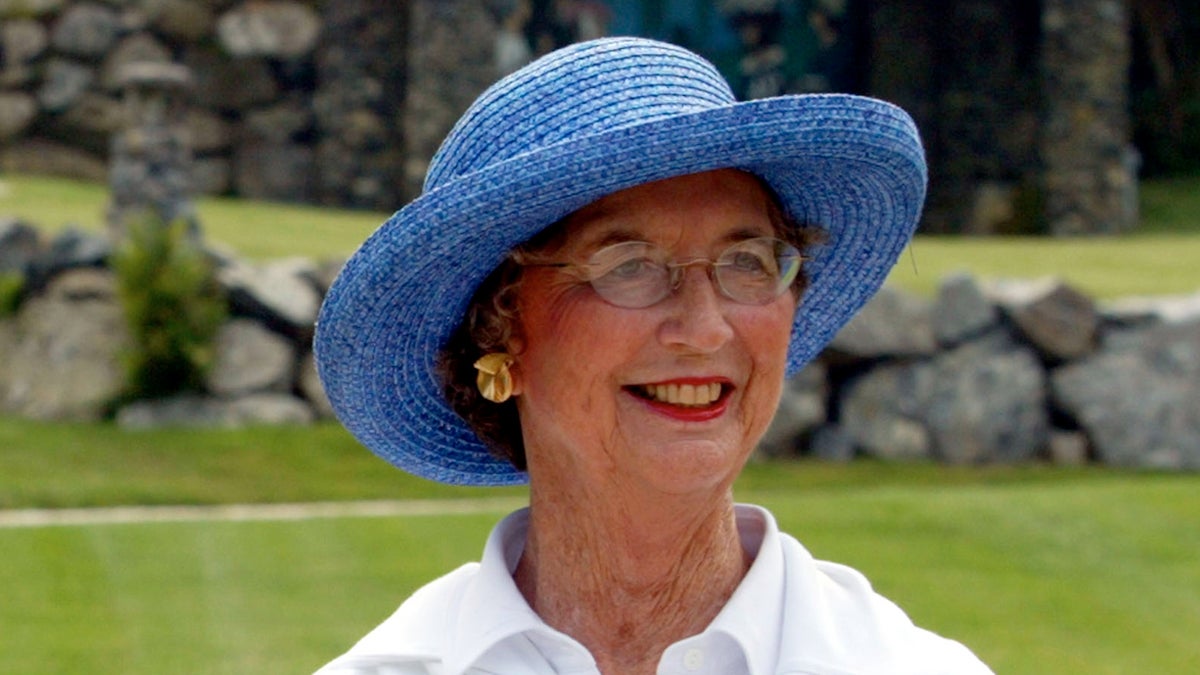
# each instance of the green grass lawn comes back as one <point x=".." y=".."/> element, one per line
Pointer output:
<point x="1047" y="572"/>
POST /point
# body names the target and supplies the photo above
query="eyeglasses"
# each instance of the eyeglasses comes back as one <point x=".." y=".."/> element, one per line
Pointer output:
<point x="637" y="274"/>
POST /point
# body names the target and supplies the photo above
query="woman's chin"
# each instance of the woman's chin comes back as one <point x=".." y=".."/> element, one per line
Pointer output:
<point x="684" y="467"/>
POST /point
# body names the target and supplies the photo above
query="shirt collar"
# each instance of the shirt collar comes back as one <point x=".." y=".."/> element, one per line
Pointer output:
<point x="494" y="610"/>
<point x="753" y="616"/>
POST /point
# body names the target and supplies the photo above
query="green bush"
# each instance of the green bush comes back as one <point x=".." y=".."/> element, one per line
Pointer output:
<point x="173" y="306"/>
<point x="12" y="287"/>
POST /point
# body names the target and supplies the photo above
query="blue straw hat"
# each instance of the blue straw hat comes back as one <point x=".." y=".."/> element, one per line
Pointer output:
<point x="569" y="128"/>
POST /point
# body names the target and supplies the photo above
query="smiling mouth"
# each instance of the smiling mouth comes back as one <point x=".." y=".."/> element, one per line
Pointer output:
<point x="686" y="395"/>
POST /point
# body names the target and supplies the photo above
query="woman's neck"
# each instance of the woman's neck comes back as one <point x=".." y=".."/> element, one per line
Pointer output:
<point x="627" y="580"/>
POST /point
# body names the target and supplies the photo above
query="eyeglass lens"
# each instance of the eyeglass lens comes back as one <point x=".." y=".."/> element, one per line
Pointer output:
<point x="639" y="274"/>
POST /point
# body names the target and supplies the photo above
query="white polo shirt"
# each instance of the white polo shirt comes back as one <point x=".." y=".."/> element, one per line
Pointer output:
<point x="791" y="614"/>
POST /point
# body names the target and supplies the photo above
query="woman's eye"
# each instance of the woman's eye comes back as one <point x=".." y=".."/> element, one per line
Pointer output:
<point x="630" y="269"/>
<point x="746" y="261"/>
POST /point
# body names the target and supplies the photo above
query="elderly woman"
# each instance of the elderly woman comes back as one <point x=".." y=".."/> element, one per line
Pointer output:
<point x="611" y="271"/>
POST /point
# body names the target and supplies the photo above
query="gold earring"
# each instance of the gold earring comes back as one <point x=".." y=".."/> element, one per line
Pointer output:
<point x="495" y="380"/>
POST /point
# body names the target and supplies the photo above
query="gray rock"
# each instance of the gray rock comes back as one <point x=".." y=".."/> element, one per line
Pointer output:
<point x="1139" y="404"/>
<point x="137" y="48"/>
<point x="22" y="40"/>
<point x="892" y="324"/>
<point x="1144" y="311"/>
<point x="1068" y="448"/>
<point x="250" y="358"/>
<point x="1058" y="320"/>
<point x="61" y="353"/>
<point x="831" y="443"/>
<point x="63" y="83"/>
<point x="326" y="272"/>
<point x="279" y="293"/>
<point x="275" y="29"/>
<point x="961" y="311"/>
<point x="72" y="248"/>
<point x="198" y="411"/>
<point x="981" y="402"/>
<point x="86" y="29"/>
<point x="17" y="110"/>
<point x="986" y="402"/>
<point x="881" y="411"/>
<point x="311" y="388"/>
<point x="801" y="409"/>
<point x="20" y="245"/>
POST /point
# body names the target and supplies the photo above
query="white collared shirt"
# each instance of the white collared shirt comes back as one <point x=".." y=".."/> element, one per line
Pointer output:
<point x="791" y="614"/>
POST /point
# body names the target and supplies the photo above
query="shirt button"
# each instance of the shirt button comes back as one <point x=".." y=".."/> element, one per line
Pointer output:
<point x="693" y="659"/>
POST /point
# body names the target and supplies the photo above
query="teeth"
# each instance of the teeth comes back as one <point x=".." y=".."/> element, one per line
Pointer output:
<point x="684" y="394"/>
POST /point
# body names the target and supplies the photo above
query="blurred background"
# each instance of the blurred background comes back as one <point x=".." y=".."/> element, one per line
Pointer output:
<point x="1038" y="116"/>
<point x="1005" y="441"/>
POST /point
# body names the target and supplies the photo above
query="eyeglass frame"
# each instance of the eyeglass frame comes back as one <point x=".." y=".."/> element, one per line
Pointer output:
<point x="676" y="270"/>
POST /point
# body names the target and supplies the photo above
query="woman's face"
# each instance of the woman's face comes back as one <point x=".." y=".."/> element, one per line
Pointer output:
<point x="602" y="390"/>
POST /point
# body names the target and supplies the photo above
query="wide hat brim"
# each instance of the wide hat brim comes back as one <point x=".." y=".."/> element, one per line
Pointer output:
<point x="850" y="164"/>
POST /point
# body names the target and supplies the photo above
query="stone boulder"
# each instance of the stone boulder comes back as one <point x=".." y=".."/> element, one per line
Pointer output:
<point x="1058" y="320"/>
<point x="277" y="29"/>
<point x="137" y="48"/>
<point x="17" y="110"/>
<point x="193" y="410"/>
<point x="893" y="324"/>
<point x="802" y="408"/>
<point x="831" y="442"/>
<point x="986" y="402"/>
<point x="1139" y="401"/>
<point x="250" y="358"/>
<point x="61" y="352"/>
<point x="881" y="411"/>
<point x="1141" y="311"/>
<point x="21" y="41"/>
<point x="86" y="29"/>
<point x="72" y="248"/>
<point x="311" y="388"/>
<point x="63" y="82"/>
<point x="280" y="293"/>
<point x="20" y="246"/>
<point x="962" y="311"/>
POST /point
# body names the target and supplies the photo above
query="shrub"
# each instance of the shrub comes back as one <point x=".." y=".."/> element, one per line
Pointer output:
<point x="12" y="288"/>
<point x="173" y="306"/>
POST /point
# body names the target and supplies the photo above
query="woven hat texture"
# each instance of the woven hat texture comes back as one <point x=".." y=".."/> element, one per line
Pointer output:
<point x="569" y="128"/>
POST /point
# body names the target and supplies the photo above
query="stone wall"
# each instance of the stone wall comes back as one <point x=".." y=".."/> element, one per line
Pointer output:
<point x="293" y="100"/>
<point x="1023" y="106"/>
<point x="998" y="373"/>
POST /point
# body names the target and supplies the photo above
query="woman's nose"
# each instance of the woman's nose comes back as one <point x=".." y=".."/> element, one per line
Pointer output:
<point x="696" y="321"/>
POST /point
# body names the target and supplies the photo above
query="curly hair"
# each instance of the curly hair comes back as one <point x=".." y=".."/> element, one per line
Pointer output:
<point x="491" y="321"/>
